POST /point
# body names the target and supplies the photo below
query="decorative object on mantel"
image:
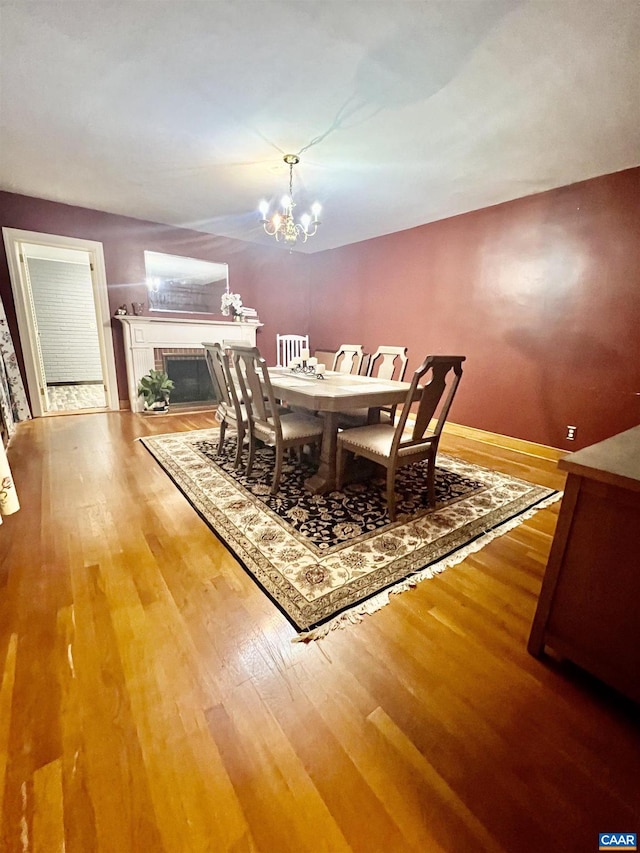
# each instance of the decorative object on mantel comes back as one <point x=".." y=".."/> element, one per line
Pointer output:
<point x="249" y="315"/>
<point x="282" y="226"/>
<point x="156" y="388"/>
<point x="138" y="308"/>
<point x="122" y="311"/>
<point x="327" y="560"/>
<point x="231" y="304"/>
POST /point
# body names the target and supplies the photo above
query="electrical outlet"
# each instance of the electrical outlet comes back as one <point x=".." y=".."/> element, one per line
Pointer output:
<point x="571" y="433"/>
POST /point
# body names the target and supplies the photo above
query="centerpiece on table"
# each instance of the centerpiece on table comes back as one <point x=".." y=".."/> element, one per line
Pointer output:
<point x="231" y="305"/>
<point x="307" y="365"/>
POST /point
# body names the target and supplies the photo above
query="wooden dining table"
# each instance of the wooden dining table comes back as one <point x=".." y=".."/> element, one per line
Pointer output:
<point x="337" y="392"/>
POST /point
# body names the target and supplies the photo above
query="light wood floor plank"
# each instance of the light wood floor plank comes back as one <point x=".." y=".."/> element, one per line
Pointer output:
<point x="48" y="817"/>
<point x="6" y="702"/>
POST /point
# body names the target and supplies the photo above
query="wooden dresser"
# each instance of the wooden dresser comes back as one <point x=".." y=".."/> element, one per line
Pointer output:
<point x="589" y="605"/>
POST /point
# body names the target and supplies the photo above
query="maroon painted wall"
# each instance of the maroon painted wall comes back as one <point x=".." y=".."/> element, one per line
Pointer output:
<point x="541" y="294"/>
<point x="268" y="279"/>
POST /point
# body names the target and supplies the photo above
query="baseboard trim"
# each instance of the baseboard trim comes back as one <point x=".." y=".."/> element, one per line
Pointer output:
<point x="520" y="445"/>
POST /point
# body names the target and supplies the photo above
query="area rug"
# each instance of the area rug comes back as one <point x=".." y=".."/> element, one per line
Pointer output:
<point x="326" y="560"/>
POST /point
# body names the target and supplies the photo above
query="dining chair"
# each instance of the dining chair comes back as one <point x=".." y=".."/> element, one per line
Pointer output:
<point x="386" y="362"/>
<point x="290" y="346"/>
<point x="267" y="423"/>
<point x="393" y="447"/>
<point x="348" y="359"/>
<point x="231" y="410"/>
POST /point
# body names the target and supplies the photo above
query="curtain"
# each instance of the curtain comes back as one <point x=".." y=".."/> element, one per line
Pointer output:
<point x="14" y="406"/>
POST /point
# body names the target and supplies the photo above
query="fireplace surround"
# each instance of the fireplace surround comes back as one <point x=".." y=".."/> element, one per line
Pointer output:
<point x="144" y="335"/>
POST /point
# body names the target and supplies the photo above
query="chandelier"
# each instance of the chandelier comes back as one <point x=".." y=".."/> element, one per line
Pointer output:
<point x="282" y="225"/>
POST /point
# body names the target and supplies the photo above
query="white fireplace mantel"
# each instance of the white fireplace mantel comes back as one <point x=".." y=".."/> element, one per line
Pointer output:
<point x="142" y="335"/>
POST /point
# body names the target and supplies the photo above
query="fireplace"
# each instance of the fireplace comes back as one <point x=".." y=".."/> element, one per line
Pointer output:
<point x="190" y="374"/>
<point x="147" y="339"/>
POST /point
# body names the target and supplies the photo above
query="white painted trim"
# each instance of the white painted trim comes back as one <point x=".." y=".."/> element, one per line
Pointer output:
<point x="99" y="279"/>
<point x="55" y="253"/>
<point x="13" y="238"/>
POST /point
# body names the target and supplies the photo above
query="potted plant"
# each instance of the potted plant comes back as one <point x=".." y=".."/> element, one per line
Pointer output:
<point x="156" y="388"/>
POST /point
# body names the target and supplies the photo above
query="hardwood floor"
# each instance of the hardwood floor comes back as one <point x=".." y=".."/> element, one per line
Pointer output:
<point x="151" y="699"/>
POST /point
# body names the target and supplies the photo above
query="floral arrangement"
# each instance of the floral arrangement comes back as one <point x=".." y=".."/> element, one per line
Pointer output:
<point x="231" y="303"/>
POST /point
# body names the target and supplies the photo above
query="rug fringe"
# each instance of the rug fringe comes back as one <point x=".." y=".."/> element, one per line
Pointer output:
<point x="377" y="602"/>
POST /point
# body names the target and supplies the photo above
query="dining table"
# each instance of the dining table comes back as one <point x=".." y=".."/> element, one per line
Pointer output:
<point x="335" y="393"/>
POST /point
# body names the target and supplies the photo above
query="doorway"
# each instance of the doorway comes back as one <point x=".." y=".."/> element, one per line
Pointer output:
<point x="60" y="294"/>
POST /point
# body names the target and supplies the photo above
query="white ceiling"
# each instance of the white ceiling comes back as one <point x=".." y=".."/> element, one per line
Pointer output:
<point x="179" y="112"/>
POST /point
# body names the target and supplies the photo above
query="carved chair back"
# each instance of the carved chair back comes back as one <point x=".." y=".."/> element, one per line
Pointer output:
<point x="348" y="359"/>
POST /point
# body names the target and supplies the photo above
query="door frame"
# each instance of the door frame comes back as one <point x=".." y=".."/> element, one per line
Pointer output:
<point x="13" y="238"/>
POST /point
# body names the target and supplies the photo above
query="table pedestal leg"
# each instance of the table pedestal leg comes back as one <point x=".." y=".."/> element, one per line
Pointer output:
<point x="324" y="480"/>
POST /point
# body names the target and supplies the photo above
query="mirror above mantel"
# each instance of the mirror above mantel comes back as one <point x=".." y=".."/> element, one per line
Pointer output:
<point x="184" y="285"/>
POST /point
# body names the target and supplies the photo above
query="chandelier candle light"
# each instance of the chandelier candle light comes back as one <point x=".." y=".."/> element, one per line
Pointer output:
<point x="282" y="225"/>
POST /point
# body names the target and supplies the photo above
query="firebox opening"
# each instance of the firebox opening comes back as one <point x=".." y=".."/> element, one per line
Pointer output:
<point x="191" y="377"/>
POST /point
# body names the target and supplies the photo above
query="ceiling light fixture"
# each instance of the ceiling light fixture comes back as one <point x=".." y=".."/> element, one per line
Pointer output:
<point x="282" y="225"/>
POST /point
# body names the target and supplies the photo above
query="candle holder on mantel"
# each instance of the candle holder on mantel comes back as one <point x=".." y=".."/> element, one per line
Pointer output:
<point x="302" y="364"/>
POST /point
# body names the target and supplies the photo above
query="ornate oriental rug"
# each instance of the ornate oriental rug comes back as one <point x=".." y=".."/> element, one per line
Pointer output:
<point x="326" y="560"/>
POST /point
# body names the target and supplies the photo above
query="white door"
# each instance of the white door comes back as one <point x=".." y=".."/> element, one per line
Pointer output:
<point x="59" y="288"/>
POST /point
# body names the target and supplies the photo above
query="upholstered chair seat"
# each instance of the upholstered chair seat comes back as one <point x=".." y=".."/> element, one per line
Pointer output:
<point x="376" y="440"/>
<point x="297" y="426"/>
